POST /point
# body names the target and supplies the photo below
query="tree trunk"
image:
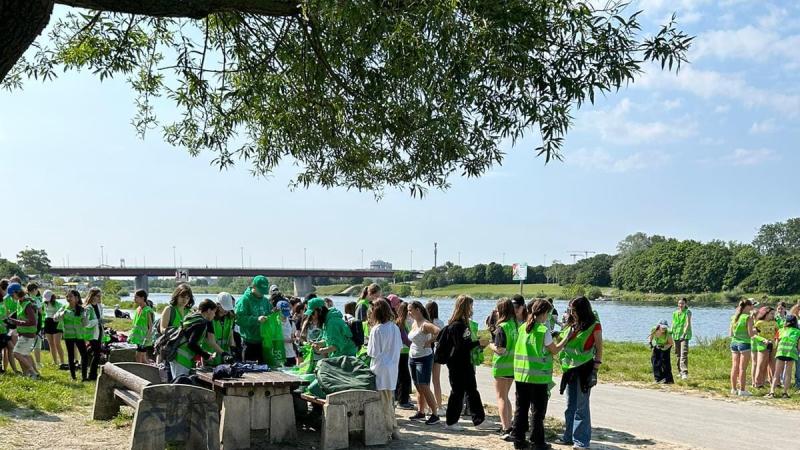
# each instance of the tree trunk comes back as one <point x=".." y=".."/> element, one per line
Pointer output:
<point x="21" y="21"/>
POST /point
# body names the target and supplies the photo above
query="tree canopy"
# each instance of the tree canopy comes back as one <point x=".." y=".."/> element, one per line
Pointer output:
<point x="362" y="94"/>
<point x="34" y="261"/>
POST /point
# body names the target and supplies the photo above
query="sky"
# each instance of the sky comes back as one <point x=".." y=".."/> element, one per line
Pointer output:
<point x="709" y="153"/>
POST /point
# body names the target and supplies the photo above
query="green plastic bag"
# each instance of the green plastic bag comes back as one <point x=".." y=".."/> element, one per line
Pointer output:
<point x="272" y="340"/>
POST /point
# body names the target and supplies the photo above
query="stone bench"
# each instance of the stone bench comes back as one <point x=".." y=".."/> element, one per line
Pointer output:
<point x="165" y="414"/>
<point x="355" y="411"/>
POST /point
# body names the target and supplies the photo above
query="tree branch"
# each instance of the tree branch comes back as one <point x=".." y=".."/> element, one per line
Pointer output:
<point x="21" y="21"/>
<point x="194" y="9"/>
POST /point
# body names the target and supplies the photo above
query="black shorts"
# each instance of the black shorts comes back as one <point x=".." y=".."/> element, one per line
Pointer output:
<point x="51" y="326"/>
<point x="143" y="349"/>
<point x="4" y="340"/>
<point x="785" y="358"/>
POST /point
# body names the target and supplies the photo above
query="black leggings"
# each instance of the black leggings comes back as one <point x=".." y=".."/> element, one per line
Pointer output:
<point x="81" y="345"/>
<point x="402" y="391"/>
<point x="530" y="395"/>
<point x="94" y="358"/>
<point x="662" y="368"/>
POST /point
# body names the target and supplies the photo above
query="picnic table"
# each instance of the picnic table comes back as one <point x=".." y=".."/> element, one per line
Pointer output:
<point x="255" y="410"/>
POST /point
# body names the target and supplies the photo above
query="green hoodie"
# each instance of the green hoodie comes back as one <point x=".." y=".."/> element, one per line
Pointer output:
<point x="336" y="332"/>
<point x="248" y="309"/>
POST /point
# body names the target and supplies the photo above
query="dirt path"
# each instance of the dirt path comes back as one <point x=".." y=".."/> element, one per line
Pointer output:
<point x="649" y="415"/>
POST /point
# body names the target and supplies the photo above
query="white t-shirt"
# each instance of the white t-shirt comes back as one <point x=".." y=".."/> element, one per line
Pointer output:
<point x="384" y="349"/>
<point x="288" y="329"/>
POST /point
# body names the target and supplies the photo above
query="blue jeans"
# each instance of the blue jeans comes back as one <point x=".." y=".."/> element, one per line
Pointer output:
<point x="577" y="417"/>
<point x="796" y="375"/>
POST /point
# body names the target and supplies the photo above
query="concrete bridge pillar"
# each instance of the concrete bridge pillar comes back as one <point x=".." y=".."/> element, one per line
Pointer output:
<point x="303" y="286"/>
<point x="142" y="282"/>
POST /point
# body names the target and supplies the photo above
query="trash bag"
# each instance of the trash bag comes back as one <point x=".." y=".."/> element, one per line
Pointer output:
<point x="272" y="340"/>
<point x="340" y="374"/>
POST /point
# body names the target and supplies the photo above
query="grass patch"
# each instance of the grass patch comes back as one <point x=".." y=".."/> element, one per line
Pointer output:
<point x="331" y="289"/>
<point x="54" y="392"/>
<point x="119" y="324"/>
<point x="493" y="291"/>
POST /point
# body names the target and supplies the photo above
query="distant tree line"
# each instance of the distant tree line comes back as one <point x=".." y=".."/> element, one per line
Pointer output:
<point x="770" y="264"/>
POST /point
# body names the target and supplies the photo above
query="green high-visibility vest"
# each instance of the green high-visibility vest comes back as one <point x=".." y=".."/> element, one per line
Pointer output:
<point x="787" y="343"/>
<point x="21" y="307"/>
<point x="765" y="333"/>
<point x="223" y="334"/>
<point x="141" y="333"/>
<point x="364" y="323"/>
<point x="503" y="365"/>
<point x="740" y="335"/>
<point x="533" y="363"/>
<point x="573" y="355"/>
<point x="185" y="356"/>
<point x="73" y="326"/>
<point x="178" y="315"/>
<point x="659" y="341"/>
<point x="3" y="317"/>
<point x="679" y="320"/>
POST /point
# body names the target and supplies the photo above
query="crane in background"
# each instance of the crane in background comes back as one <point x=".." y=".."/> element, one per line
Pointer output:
<point x="576" y="253"/>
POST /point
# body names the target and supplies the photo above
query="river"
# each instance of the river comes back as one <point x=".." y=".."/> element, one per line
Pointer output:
<point x="621" y="321"/>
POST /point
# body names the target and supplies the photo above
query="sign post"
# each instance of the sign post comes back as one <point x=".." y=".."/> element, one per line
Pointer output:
<point x="520" y="272"/>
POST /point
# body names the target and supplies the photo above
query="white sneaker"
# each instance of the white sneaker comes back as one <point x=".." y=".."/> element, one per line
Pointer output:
<point x="684" y="376"/>
<point x="744" y="393"/>
<point x="454" y="427"/>
<point x="734" y="392"/>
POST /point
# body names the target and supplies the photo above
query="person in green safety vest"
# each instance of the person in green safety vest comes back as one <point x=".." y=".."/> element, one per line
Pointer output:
<point x="682" y="335"/>
<point x="505" y="336"/>
<point x="582" y="339"/>
<point x="6" y="338"/>
<point x="532" y="366"/>
<point x="95" y="330"/>
<point x="741" y="332"/>
<point x="766" y="329"/>
<point x="142" y="331"/>
<point x="25" y="321"/>
<point x="180" y="304"/>
<point x="222" y="335"/>
<point x="787" y="354"/>
<point x="781" y="310"/>
<point x="195" y="329"/>
<point x="53" y="329"/>
<point x="74" y="320"/>
<point x="252" y="310"/>
<point x="660" y="341"/>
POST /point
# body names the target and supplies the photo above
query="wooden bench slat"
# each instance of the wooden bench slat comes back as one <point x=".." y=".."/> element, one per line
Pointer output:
<point x="312" y="399"/>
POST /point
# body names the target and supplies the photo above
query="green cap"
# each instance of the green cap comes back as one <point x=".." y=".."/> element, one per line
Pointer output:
<point x="314" y="303"/>
<point x="262" y="284"/>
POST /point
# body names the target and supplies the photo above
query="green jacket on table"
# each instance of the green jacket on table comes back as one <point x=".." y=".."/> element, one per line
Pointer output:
<point x="248" y="309"/>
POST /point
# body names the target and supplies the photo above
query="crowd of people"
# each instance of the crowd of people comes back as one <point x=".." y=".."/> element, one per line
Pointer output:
<point x="405" y="344"/>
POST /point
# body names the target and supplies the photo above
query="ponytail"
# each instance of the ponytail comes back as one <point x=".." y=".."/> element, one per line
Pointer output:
<point x="744" y="303"/>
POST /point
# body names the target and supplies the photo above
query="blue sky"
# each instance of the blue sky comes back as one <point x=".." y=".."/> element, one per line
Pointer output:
<point x="709" y="153"/>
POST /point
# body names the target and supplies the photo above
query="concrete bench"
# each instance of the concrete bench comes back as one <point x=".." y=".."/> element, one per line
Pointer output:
<point x="166" y="414"/>
<point x="355" y="411"/>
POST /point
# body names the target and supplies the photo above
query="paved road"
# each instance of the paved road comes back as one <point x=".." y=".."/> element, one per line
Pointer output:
<point x="673" y="417"/>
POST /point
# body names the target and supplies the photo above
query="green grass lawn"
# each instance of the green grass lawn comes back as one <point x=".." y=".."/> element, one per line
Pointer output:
<point x="332" y="289"/>
<point x="54" y="392"/>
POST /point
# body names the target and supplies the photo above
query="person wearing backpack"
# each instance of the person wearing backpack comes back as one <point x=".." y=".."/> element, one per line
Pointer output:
<point x="193" y="333"/>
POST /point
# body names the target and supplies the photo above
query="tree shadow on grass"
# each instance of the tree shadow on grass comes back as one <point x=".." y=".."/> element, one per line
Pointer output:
<point x="606" y="435"/>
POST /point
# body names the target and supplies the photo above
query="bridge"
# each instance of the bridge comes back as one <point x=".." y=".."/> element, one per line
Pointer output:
<point x="302" y="277"/>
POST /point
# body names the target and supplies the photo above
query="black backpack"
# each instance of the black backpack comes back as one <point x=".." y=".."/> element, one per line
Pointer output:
<point x="166" y="345"/>
<point x="444" y="346"/>
<point x="357" y="330"/>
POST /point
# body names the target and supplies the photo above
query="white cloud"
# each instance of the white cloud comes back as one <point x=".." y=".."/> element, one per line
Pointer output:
<point x="711" y="84"/>
<point x="764" y="126"/>
<point x="615" y="125"/>
<point x="672" y="104"/>
<point x="749" y="43"/>
<point x="603" y="160"/>
<point x="719" y="109"/>
<point x="747" y="157"/>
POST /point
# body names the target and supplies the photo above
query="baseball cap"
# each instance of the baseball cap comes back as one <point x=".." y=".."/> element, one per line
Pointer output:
<point x="273" y="289"/>
<point x="47" y="295"/>
<point x="663" y="324"/>
<point x="225" y="300"/>
<point x="261" y="283"/>
<point x="394" y="300"/>
<point x="286" y="310"/>
<point x="518" y="300"/>
<point x="13" y="288"/>
<point x="314" y="303"/>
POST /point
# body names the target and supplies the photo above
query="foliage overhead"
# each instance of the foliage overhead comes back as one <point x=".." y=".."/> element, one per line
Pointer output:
<point x="362" y="94"/>
<point x="34" y="261"/>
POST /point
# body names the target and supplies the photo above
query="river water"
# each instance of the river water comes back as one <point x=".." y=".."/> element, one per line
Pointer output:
<point x="621" y="321"/>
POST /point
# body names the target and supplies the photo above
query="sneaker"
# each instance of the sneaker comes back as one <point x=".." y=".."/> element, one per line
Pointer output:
<point x="34" y="376"/>
<point x="417" y="416"/>
<point x="63" y="367"/>
<point x="561" y="441"/>
<point x="770" y="395"/>
<point x="508" y="437"/>
<point x="786" y="395"/>
<point x="734" y="392"/>
<point x="406" y="406"/>
<point x="684" y="376"/>
<point x="433" y="419"/>
<point x="454" y="427"/>
<point x="744" y="393"/>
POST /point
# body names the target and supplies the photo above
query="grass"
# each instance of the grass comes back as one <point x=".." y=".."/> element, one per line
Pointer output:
<point x="54" y="392"/>
<point x="332" y="289"/>
<point x="119" y="324"/>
